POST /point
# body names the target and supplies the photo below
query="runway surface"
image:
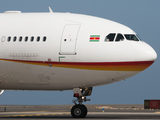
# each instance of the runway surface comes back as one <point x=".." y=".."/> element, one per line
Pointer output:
<point x="45" y="112"/>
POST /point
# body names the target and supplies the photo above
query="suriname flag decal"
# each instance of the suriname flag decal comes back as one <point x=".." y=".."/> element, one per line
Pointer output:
<point x="94" y="38"/>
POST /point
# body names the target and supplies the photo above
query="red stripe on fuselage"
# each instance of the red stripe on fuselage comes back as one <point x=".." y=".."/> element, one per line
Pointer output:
<point x="110" y="66"/>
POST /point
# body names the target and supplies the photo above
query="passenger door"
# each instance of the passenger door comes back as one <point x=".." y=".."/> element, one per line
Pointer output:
<point x="68" y="40"/>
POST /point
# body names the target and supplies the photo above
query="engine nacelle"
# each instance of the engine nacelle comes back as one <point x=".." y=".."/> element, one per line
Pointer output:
<point x="1" y="92"/>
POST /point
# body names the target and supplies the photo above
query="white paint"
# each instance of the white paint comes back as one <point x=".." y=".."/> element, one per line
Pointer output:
<point x="69" y="39"/>
<point x="76" y="29"/>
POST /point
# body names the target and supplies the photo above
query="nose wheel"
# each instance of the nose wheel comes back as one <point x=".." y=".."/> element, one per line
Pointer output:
<point x="79" y="111"/>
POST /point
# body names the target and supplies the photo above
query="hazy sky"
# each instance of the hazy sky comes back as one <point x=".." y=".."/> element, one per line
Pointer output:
<point x="143" y="16"/>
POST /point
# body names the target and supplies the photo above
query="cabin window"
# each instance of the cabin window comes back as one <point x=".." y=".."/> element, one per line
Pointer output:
<point x="38" y="39"/>
<point x="26" y="39"/>
<point x="14" y="39"/>
<point x="20" y="38"/>
<point x="3" y="38"/>
<point x="44" y="38"/>
<point x="131" y="37"/>
<point x="110" y="37"/>
<point x="9" y="39"/>
<point x="32" y="38"/>
<point x="119" y="37"/>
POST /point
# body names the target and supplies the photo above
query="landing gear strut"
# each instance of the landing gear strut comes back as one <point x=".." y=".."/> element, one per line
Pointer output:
<point x="79" y="110"/>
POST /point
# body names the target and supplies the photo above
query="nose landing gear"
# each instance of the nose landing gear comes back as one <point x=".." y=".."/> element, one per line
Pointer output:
<point x="79" y="110"/>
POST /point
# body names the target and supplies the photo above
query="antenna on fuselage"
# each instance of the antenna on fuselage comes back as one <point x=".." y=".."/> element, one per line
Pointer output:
<point x="50" y="10"/>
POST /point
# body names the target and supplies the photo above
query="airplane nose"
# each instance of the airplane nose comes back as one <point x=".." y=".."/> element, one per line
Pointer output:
<point x="145" y="52"/>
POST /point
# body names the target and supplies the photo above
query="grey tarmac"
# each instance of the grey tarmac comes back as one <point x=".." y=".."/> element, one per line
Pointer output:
<point x="61" y="112"/>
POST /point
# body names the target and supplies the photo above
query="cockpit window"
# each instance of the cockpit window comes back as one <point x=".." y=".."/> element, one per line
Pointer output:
<point x="131" y="37"/>
<point x="110" y="37"/>
<point x="119" y="37"/>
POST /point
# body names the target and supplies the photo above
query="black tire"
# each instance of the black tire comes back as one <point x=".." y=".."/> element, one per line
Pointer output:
<point x="79" y="111"/>
<point x="85" y="110"/>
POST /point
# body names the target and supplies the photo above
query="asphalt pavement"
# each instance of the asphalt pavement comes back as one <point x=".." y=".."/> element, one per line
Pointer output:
<point x="45" y="112"/>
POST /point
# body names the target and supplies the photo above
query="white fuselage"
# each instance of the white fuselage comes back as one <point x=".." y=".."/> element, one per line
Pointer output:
<point x="60" y="55"/>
